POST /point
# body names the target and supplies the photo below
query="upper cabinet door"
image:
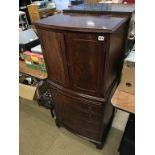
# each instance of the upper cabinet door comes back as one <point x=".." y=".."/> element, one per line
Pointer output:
<point x="54" y="53"/>
<point x="86" y="57"/>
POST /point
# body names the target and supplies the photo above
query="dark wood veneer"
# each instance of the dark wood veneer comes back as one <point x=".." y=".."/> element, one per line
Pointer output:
<point x="83" y="70"/>
<point x="78" y="23"/>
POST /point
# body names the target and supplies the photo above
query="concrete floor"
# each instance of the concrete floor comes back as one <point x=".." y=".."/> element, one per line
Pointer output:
<point x="40" y="136"/>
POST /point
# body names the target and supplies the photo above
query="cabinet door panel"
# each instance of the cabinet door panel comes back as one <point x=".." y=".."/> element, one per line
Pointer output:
<point x="86" y="56"/>
<point x="54" y="53"/>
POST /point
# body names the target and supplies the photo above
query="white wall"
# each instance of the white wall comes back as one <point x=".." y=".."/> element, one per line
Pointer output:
<point x="61" y="4"/>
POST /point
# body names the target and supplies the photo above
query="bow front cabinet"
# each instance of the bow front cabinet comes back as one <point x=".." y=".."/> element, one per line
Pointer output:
<point x="83" y="55"/>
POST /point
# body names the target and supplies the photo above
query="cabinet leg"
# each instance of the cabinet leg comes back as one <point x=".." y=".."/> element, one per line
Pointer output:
<point x="99" y="146"/>
<point x="57" y="124"/>
<point x="52" y="113"/>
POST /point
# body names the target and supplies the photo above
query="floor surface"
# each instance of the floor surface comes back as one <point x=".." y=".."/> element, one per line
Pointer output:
<point x="40" y="136"/>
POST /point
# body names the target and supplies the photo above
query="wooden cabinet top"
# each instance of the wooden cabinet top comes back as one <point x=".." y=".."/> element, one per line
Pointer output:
<point x="86" y="23"/>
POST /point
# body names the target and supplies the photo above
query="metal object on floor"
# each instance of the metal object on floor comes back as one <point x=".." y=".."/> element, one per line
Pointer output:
<point x="46" y="100"/>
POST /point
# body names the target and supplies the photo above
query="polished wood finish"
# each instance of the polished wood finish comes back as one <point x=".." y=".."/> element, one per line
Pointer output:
<point x="113" y="9"/>
<point x="55" y="59"/>
<point x="81" y="62"/>
<point x="83" y="55"/>
<point x="78" y="23"/>
<point x="44" y="12"/>
<point x="124" y="101"/>
<point x="35" y="73"/>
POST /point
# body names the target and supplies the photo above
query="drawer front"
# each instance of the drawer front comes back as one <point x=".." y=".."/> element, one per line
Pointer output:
<point x="85" y="115"/>
<point x="75" y="123"/>
<point x="82" y="116"/>
<point x="87" y="107"/>
<point x="84" y="128"/>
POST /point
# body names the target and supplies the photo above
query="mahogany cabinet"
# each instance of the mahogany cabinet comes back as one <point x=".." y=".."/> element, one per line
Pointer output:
<point x="83" y="55"/>
<point x="110" y="9"/>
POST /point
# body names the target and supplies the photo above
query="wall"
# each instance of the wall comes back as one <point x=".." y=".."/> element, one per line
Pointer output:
<point x="61" y="4"/>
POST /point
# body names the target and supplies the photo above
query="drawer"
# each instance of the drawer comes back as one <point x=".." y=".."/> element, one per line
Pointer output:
<point x="87" y="107"/>
<point x="89" y="134"/>
<point x="75" y="123"/>
<point x="78" y="103"/>
<point x="80" y="115"/>
<point x="84" y="128"/>
<point x="85" y="115"/>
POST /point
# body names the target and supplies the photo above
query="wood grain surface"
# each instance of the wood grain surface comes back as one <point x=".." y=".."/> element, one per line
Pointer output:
<point x="83" y="70"/>
<point x="87" y="23"/>
<point x="124" y="101"/>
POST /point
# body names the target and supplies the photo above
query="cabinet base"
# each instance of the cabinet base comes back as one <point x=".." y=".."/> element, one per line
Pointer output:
<point x="57" y="124"/>
<point x="99" y="146"/>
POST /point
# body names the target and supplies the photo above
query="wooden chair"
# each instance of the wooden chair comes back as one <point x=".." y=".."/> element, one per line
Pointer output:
<point x="33" y="12"/>
<point x="36" y="14"/>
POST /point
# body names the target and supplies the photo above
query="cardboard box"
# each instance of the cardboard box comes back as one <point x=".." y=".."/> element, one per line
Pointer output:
<point x="127" y="83"/>
<point x="30" y="88"/>
<point x="27" y="91"/>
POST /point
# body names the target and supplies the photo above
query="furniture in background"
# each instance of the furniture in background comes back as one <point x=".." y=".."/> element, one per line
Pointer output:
<point x="27" y="40"/>
<point x="28" y="71"/>
<point x="126" y="102"/>
<point x="83" y="61"/>
<point x="22" y="7"/>
<point x="127" y="83"/>
<point x="35" y="13"/>
<point x="124" y="99"/>
<point x="23" y="22"/>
